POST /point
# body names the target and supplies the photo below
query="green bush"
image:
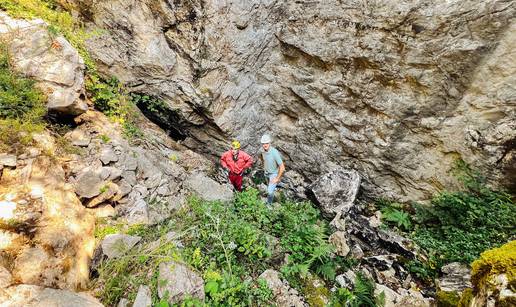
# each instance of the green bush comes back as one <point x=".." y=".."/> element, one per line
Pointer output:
<point x="22" y="107"/>
<point x="458" y="226"/>
<point x="362" y="295"/>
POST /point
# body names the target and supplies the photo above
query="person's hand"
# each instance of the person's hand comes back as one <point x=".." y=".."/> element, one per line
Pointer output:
<point x="275" y="180"/>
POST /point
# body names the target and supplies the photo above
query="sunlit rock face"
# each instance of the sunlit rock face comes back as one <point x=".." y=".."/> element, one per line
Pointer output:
<point x="49" y="59"/>
<point x="46" y="235"/>
<point x="396" y="90"/>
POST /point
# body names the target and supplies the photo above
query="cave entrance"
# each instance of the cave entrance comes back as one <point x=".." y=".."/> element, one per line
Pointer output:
<point x="158" y="112"/>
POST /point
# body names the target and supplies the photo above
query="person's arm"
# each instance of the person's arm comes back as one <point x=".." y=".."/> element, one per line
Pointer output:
<point x="281" y="166"/>
<point x="248" y="161"/>
<point x="281" y="171"/>
<point x="223" y="162"/>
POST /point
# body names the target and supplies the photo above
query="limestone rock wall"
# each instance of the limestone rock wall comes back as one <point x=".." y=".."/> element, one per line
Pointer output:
<point x="396" y="90"/>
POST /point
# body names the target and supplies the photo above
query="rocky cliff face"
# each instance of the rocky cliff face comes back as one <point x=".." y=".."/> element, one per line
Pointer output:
<point x="395" y="90"/>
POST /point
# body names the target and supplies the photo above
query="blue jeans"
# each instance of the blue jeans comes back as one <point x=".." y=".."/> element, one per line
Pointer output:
<point x="271" y="188"/>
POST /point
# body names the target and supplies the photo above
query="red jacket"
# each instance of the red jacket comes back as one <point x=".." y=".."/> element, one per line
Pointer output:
<point x="243" y="161"/>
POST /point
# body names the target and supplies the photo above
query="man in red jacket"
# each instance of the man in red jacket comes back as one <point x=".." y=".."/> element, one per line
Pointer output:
<point x="236" y="161"/>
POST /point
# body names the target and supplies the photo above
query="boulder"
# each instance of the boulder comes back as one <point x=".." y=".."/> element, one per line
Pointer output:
<point x="177" y="282"/>
<point x="207" y="188"/>
<point x="116" y="245"/>
<point x="339" y="240"/>
<point x="89" y="184"/>
<point x="36" y="296"/>
<point x="143" y="298"/>
<point x="50" y="60"/>
<point x="335" y="192"/>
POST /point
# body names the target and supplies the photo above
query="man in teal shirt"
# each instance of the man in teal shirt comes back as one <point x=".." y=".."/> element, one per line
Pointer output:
<point x="272" y="165"/>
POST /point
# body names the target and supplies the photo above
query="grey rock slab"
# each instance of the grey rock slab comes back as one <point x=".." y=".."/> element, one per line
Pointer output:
<point x="116" y="245"/>
<point x="177" y="282"/>
<point x="207" y="188"/>
<point x="108" y="155"/>
<point x="88" y="184"/>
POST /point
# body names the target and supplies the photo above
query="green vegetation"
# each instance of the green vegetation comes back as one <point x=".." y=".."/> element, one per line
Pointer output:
<point x="456" y="226"/>
<point x="22" y="107"/>
<point x="230" y="245"/>
<point x="362" y="295"/>
<point x="447" y="299"/>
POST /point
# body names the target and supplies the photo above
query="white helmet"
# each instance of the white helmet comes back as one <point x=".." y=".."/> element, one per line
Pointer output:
<point x="266" y="139"/>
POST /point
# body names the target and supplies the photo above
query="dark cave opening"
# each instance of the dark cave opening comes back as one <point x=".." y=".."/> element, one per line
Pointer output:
<point x="162" y="115"/>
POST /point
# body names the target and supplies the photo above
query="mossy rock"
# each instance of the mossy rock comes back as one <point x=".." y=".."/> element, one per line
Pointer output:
<point x="447" y="298"/>
<point x="465" y="299"/>
<point x="316" y="293"/>
<point x="494" y="262"/>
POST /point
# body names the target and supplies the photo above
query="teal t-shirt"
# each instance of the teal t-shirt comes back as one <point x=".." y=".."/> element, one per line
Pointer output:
<point x="271" y="160"/>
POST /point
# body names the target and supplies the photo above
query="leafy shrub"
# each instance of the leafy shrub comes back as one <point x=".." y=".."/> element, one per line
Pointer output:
<point x="458" y="226"/>
<point x="22" y="106"/>
<point x="362" y="295"/>
<point x="394" y="215"/>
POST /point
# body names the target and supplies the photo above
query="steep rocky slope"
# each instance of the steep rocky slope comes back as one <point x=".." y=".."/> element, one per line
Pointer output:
<point x="397" y="91"/>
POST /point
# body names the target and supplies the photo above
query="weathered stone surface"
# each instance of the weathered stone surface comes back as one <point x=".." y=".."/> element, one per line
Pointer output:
<point x="179" y="282"/>
<point x="103" y="211"/>
<point x="456" y="278"/>
<point x="35" y="296"/>
<point x="61" y="242"/>
<point x="89" y="184"/>
<point x="395" y="90"/>
<point x="336" y="191"/>
<point x="107" y="155"/>
<point x="7" y="160"/>
<point x="78" y="137"/>
<point x="109" y="191"/>
<point x="284" y="295"/>
<point x="5" y="278"/>
<point x="207" y="188"/>
<point x="116" y="245"/>
<point x="339" y="240"/>
<point x="52" y="61"/>
<point x="143" y="298"/>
